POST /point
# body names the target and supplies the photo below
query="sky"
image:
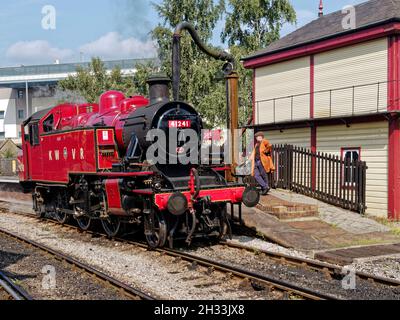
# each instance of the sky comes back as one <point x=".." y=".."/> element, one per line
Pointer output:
<point x="42" y="31"/>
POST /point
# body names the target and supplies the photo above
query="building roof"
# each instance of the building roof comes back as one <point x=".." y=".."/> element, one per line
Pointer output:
<point x="368" y="14"/>
<point x="67" y="67"/>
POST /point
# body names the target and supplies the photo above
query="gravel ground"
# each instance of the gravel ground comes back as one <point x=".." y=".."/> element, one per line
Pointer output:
<point x="302" y="276"/>
<point x="158" y="275"/>
<point x="387" y="268"/>
<point x="26" y="265"/>
<point x="4" y="295"/>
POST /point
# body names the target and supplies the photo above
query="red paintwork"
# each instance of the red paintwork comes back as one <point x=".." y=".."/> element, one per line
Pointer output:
<point x="324" y="45"/>
<point x="254" y="96"/>
<point x="126" y="174"/>
<point x="312" y="85"/>
<point x="394" y="128"/>
<point x="62" y="154"/>
<point x="192" y="186"/>
<point x="77" y="144"/>
<point x="233" y="195"/>
<point x="87" y="139"/>
<point x="314" y="159"/>
<point x="113" y="195"/>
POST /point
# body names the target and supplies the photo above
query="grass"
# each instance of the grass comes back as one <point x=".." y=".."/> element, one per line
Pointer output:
<point x="16" y="282"/>
<point x="363" y="242"/>
<point x="394" y="228"/>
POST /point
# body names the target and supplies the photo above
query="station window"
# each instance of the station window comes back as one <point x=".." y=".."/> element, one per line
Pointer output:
<point x="2" y="113"/>
<point x="350" y="155"/>
<point x="21" y="114"/>
<point x="20" y="94"/>
<point x="2" y="135"/>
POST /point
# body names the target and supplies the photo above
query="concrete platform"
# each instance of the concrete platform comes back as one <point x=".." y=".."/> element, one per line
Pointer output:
<point x="9" y="180"/>
<point x="331" y="229"/>
<point x="351" y="255"/>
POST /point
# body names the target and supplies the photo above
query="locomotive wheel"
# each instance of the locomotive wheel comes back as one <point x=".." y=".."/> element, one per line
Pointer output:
<point x="112" y="226"/>
<point x="38" y="207"/>
<point x="60" y="216"/>
<point x="84" y="223"/>
<point x="157" y="237"/>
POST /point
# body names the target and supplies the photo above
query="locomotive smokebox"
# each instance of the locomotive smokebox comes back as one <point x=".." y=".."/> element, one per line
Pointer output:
<point x="159" y="88"/>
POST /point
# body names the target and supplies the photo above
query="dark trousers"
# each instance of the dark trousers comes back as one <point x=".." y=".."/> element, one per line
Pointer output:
<point x="261" y="175"/>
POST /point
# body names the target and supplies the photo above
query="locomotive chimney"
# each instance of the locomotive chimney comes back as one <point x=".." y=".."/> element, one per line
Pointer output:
<point x="159" y="88"/>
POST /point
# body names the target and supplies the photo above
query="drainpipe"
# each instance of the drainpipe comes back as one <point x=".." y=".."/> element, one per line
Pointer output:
<point x="232" y="84"/>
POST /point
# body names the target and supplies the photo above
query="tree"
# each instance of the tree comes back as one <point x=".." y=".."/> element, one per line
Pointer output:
<point x="201" y="82"/>
<point x="254" y="24"/>
<point x="94" y="80"/>
<point x="250" y="26"/>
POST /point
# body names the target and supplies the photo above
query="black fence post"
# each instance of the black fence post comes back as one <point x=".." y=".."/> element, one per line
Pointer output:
<point x="325" y="177"/>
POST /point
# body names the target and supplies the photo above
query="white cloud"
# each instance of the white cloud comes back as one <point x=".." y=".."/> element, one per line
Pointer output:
<point x="111" y="46"/>
<point x="114" y="46"/>
<point x="38" y="51"/>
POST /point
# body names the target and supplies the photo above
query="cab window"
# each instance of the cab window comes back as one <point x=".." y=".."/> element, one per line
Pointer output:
<point x="34" y="134"/>
<point x="48" y="124"/>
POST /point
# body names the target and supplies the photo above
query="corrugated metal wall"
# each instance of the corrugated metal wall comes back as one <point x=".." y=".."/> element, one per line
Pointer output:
<point x="361" y="64"/>
<point x="283" y="80"/>
<point x="300" y="137"/>
<point x="372" y="138"/>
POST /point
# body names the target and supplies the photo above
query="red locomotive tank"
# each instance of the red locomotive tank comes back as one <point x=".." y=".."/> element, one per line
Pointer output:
<point x="88" y="162"/>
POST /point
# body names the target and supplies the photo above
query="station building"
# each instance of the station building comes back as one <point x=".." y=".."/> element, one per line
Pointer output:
<point x="25" y="90"/>
<point x="336" y="90"/>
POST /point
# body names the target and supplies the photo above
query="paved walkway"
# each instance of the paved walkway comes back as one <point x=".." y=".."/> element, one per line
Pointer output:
<point x="349" y="221"/>
<point x="333" y="228"/>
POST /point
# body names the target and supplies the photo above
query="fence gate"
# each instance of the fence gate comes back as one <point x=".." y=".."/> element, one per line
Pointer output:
<point x="325" y="177"/>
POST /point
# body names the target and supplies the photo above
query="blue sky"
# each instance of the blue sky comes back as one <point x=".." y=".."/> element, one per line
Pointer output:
<point x="111" y="29"/>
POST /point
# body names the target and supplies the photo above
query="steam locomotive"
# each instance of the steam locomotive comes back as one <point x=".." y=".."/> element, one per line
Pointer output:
<point x="89" y="162"/>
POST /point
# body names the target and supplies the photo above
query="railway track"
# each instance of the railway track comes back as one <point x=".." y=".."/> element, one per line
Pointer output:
<point x="130" y="292"/>
<point x="328" y="269"/>
<point x="259" y="281"/>
<point x="11" y="290"/>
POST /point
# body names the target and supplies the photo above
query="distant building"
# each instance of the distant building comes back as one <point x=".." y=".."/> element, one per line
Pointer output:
<point x="337" y="91"/>
<point x="27" y="89"/>
<point x="8" y="149"/>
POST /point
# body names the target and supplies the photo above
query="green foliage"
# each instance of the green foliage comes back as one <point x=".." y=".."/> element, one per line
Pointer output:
<point x="94" y="80"/>
<point x="9" y="154"/>
<point x="201" y="82"/>
<point x="254" y="24"/>
<point x="249" y="25"/>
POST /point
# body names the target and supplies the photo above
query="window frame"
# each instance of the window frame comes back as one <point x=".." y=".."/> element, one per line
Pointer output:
<point x="343" y="151"/>
<point x="3" y="116"/>
<point x="23" y="114"/>
<point x="34" y="135"/>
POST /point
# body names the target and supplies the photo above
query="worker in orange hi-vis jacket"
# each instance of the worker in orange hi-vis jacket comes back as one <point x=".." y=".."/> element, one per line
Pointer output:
<point x="262" y="163"/>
